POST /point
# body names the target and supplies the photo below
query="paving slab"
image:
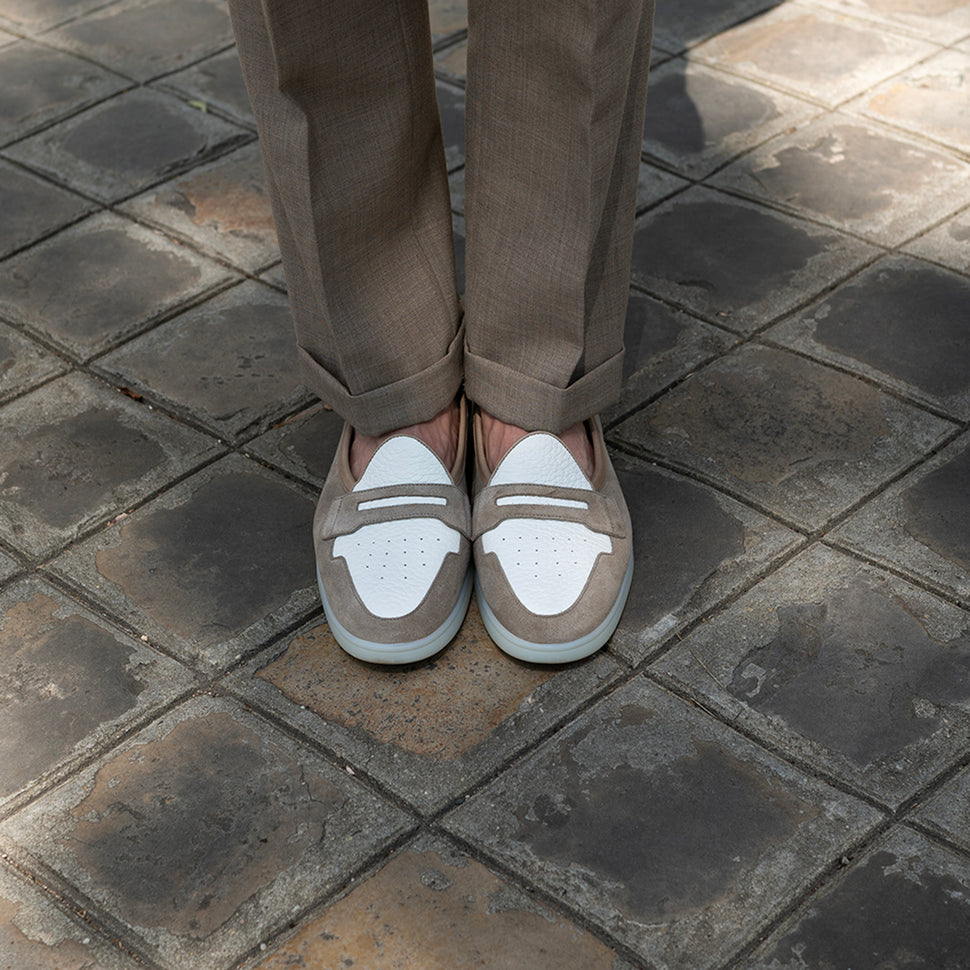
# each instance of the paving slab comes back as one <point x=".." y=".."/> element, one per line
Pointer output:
<point x="812" y="52"/>
<point x="74" y="454"/>
<point x="275" y="276"/>
<point x="908" y="903"/>
<point x="39" y="85"/>
<point x="662" y="826"/>
<point x="100" y="281"/>
<point x="677" y="26"/>
<point x="698" y="119"/>
<point x="72" y="685"/>
<point x="942" y="21"/>
<point x="800" y="439"/>
<point x="447" y="17"/>
<point x="734" y="263"/>
<point x="433" y="906"/>
<point x="693" y="547"/>
<point x="901" y="322"/>
<point x="230" y="362"/>
<point x="451" y="110"/>
<point x="121" y="146"/>
<point x="216" y="82"/>
<point x="303" y="446"/>
<point x="921" y="526"/>
<point x="848" y="668"/>
<point x="37" y="934"/>
<point x="222" y="207"/>
<point x="215" y="567"/>
<point x="33" y="208"/>
<point x="204" y="832"/>
<point x="427" y="731"/>
<point x="452" y="61"/>
<point x="142" y="39"/>
<point x="8" y="567"/>
<point x="946" y="813"/>
<point x="24" y="364"/>
<point x="858" y="177"/>
<point x="654" y="185"/>
<point x="662" y="345"/>
<point x="948" y="243"/>
<point x="39" y="15"/>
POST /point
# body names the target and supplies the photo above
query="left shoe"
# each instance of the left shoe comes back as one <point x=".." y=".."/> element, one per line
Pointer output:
<point x="553" y="549"/>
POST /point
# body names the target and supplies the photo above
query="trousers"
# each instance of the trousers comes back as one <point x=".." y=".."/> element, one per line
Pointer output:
<point x="343" y="93"/>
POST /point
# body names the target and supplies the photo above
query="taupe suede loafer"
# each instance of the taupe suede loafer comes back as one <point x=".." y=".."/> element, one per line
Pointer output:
<point x="553" y="549"/>
<point x="393" y="550"/>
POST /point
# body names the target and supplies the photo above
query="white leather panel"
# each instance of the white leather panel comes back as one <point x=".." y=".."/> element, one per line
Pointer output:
<point x="403" y="461"/>
<point x="540" y="459"/>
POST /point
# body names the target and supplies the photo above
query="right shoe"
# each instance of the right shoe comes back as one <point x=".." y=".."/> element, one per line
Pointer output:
<point x="393" y="550"/>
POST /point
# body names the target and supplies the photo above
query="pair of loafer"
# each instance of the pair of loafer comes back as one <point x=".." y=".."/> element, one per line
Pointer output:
<point x="552" y="549"/>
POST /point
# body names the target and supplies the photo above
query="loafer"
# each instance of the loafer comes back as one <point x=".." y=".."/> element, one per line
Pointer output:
<point x="553" y="549"/>
<point x="393" y="550"/>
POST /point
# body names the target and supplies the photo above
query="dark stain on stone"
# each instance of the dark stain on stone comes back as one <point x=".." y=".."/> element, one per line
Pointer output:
<point x="210" y="568"/>
<point x="672" y="840"/>
<point x="855" y="672"/>
<point x="650" y="330"/>
<point x="183" y="830"/>
<point x="313" y="443"/>
<point x="60" y="679"/>
<point x="62" y="471"/>
<point x="767" y="416"/>
<point x="961" y="233"/>
<point x="681" y="537"/>
<point x="937" y="510"/>
<point x="879" y="918"/>
<point x="909" y="321"/>
<point x="735" y="253"/>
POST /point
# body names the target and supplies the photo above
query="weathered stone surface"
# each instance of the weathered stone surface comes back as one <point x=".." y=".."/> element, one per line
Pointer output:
<point x="23" y="363"/>
<point x="453" y="61"/>
<point x="128" y="143"/>
<point x="938" y="20"/>
<point x="303" y="445"/>
<point x="68" y="683"/>
<point x="231" y="362"/>
<point x="679" y="25"/>
<point x="216" y="82"/>
<point x="654" y="185"/>
<point x="661" y="824"/>
<point x="948" y="244"/>
<point x="205" y="830"/>
<point x="853" y="669"/>
<point x="99" y="281"/>
<point x="451" y="109"/>
<point x="908" y="900"/>
<point x="902" y="322"/>
<point x="947" y="812"/>
<point x="73" y="454"/>
<point x="430" y="906"/>
<point x="801" y="439"/>
<point x="447" y="17"/>
<point x="734" y="263"/>
<point x="37" y="15"/>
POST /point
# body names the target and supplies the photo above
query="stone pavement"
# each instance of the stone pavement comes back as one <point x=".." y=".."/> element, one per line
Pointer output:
<point x="767" y="768"/>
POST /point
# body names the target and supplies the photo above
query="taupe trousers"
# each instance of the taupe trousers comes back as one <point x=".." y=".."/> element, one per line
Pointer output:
<point x="344" y="98"/>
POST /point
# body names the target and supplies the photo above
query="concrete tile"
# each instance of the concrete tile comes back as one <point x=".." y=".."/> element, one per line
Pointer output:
<point x="8" y="567"/>
<point x="73" y="454"/>
<point x="205" y="831"/>
<point x="794" y="436"/>
<point x="33" y="208"/>
<point x="902" y="322"/>
<point x="908" y="903"/>
<point x="921" y="526"/>
<point x="451" y="109"/>
<point x="946" y="812"/>
<point x="275" y="277"/>
<point x="68" y="289"/>
<point x="427" y="731"/>
<point x="23" y="363"/>
<point x="813" y="52"/>
<point x="680" y="25"/>
<point x="663" y="826"/>
<point x="692" y="546"/>
<point x="126" y="144"/>
<point x="231" y="362"/>
<point x="841" y="665"/>
<point x="223" y="207"/>
<point x="37" y="15"/>
<point x="937" y="20"/>
<point x="218" y="83"/>
<point x="860" y="178"/>
<point x="734" y="263"/>
<point x="144" y="38"/>
<point x="216" y="566"/>
<point x="431" y="906"/>
<point x="698" y="119"/>
<point x="948" y="244"/>
<point x="447" y="17"/>
<point x="36" y="934"/>
<point x="39" y="85"/>
<point x="654" y="185"/>
<point x="933" y="99"/>
<point x="71" y="684"/>
<point x="662" y="345"/>
<point x="303" y="445"/>
<point x="453" y="61"/>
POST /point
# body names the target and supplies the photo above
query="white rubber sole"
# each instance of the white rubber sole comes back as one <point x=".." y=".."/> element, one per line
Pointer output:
<point x="400" y="653"/>
<point x="554" y="653"/>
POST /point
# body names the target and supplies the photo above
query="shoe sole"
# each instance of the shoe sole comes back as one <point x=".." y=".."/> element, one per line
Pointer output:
<point x="554" y="653"/>
<point x="400" y="653"/>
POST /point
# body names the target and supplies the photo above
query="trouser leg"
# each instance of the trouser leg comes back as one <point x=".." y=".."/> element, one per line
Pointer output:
<point x="343" y="94"/>
<point x="554" y="112"/>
